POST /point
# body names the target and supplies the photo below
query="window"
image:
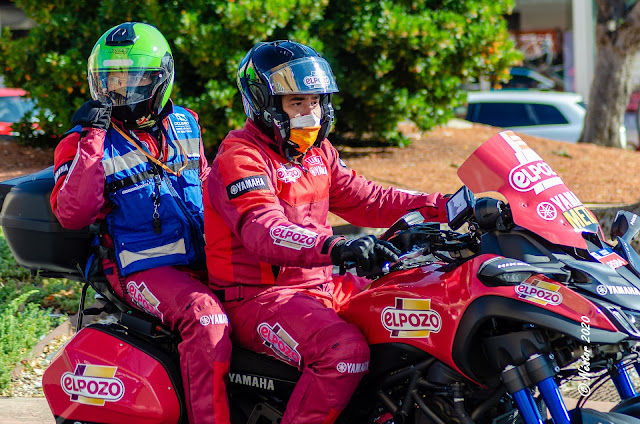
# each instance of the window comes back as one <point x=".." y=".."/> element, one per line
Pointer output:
<point x="502" y="115"/>
<point x="12" y="108"/>
<point x="548" y="115"/>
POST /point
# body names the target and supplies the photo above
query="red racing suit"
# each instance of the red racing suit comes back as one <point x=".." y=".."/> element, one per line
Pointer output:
<point x="267" y="244"/>
<point x="174" y="294"/>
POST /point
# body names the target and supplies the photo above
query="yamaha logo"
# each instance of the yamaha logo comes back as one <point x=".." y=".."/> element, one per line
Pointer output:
<point x="352" y="368"/>
<point x="213" y="319"/>
<point x="247" y="184"/>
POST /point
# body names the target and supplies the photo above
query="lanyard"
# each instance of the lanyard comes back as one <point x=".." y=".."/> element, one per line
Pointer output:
<point x="151" y="158"/>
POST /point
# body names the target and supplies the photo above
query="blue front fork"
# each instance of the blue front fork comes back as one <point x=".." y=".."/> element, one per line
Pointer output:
<point x="540" y="371"/>
<point x="622" y="381"/>
<point x="527" y="407"/>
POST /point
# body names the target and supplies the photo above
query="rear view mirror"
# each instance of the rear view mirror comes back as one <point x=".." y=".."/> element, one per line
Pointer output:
<point x="626" y="225"/>
<point x="407" y="220"/>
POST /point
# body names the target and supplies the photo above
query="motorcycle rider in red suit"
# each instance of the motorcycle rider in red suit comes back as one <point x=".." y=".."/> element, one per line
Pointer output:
<point x="134" y="163"/>
<point x="270" y="248"/>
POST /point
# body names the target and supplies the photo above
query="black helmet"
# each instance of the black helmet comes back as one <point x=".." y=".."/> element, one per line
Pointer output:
<point x="270" y="70"/>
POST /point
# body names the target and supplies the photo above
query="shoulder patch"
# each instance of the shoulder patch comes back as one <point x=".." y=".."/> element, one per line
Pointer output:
<point x="61" y="171"/>
<point x="247" y="184"/>
<point x="342" y="163"/>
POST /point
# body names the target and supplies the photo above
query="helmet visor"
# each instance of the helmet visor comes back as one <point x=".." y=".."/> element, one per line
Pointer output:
<point x="117" y="84"/>
<point x="307" y="75"/>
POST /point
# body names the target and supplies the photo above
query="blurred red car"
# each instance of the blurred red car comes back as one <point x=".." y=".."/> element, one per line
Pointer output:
<point x="13" y="105"/>
<point x="632" y="119"/>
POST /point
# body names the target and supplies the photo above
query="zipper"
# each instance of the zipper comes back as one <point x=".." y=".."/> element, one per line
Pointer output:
<point x="193" y="226"/>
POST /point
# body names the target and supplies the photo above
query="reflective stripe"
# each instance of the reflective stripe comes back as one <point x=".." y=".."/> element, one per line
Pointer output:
<point x="137" y="188"/>
<point x="191" y="145"/>
<point x="176" y="248"/>
<point x="123" y="162"/>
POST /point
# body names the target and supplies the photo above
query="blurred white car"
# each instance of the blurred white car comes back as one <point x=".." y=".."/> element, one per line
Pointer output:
<point x="550" y="114"/>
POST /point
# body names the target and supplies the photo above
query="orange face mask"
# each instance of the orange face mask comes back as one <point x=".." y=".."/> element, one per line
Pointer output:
<point x="304" y="131"/>
<point x="304" y="137"/>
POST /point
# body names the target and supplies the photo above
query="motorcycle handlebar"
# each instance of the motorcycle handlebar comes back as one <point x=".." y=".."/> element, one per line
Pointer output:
<point x="415" y="241"/>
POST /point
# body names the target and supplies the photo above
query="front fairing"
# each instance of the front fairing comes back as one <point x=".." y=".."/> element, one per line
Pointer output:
<point x="539" y="199"/>
<point x="542" y="204"/>
<point x="425" y="307"/>
<point x="619" y="286"/>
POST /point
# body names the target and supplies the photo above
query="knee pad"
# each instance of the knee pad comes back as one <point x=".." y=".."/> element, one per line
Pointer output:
<point x="344" y="342"/>
<point x="202" y="309"/>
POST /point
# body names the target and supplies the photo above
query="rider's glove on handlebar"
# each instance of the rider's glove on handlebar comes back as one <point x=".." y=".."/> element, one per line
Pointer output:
<point x="92" y="114"/>
<point x="367" y="252"/>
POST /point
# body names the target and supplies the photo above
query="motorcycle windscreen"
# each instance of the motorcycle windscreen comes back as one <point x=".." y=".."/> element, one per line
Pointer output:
<point x="539" y="199"/>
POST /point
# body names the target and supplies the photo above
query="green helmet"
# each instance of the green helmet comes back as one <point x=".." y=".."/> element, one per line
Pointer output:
<point x="130" y="64"/>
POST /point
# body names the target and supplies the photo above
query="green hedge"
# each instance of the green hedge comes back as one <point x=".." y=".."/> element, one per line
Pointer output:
<point x="30" y="307"/>
<point x="394" y="60"/>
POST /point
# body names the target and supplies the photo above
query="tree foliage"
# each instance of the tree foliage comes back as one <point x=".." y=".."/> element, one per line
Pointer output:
<point x="394" y="60"/>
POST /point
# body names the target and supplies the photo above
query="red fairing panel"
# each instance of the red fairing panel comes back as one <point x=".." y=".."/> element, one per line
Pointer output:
<point x="99" y="378"/>
<point x="539" y="199"/>
<point x="423" y="307"/>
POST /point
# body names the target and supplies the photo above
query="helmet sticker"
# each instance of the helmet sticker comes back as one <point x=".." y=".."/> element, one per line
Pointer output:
<point x="317" y="79"/>
<point x="118" y="62"/>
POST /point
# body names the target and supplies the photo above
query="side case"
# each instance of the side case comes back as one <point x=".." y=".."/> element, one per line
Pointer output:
<point x="103" y="375"/>
<point x="35" y="237"/>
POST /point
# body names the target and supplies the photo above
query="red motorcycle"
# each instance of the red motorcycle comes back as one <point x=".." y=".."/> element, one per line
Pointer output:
<point x="480" y="321"/>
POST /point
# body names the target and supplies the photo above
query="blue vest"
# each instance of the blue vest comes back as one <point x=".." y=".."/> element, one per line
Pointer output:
<point x="157" y="217"/>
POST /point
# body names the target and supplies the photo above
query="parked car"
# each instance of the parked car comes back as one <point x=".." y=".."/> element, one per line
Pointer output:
<point x="526" y="79"/>
<point x="550" y="114"/>
<point x="13" y="105"/>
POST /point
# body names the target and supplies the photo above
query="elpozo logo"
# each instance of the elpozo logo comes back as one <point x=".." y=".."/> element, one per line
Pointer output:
<point x="317" y="79"/>
<point x="293" y="237"/>
<point x="411" y="318"/>
<point x="92" y="384"/>
<point x="540" y="292"/>
<point x="280" y="342"/>
<point x="287" y="174"/>
<point x="537" y="176"/>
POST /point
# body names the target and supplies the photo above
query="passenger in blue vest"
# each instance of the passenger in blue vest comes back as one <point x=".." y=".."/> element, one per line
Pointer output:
<point x="134" y="163"/>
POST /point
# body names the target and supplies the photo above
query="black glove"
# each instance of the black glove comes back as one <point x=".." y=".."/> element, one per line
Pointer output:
<point x="367" y="252"/>
<point x="92" y="114"/>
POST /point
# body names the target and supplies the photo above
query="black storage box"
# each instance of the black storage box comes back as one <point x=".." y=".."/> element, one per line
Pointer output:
<point x="36" y="238"/>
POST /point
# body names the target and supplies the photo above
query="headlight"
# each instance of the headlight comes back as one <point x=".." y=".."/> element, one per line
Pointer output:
<point x="634" y="318"/>
<point x="624" y="319"/>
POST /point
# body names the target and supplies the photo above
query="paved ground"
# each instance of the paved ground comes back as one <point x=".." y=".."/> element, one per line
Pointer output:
<point x="36" y="410"/>
<point x="17" y="410"/>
